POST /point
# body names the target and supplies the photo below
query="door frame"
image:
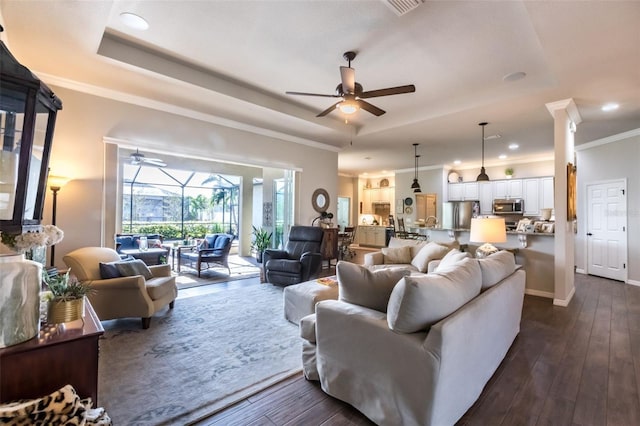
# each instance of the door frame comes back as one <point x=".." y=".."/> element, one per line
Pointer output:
<point x="624" y="185"/>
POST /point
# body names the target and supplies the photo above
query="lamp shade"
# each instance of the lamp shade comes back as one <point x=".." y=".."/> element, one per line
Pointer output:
<point x="488" y="230"/>
<point x="57" y="181"/>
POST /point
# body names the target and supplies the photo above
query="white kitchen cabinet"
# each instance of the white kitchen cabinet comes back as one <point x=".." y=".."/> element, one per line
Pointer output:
<point x="456" y="191"/>
<point x="546" y="193"/>
<point x="509" y="188"/>
<point x="470" y="191"/>
<point x="366" y="202"/>
<point x="463" y="191"/>
<point x="485" y="192"/>
<point x="531" y="196"/>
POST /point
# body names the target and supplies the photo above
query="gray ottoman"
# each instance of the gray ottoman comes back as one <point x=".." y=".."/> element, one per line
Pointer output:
<point x="300" y="299"/>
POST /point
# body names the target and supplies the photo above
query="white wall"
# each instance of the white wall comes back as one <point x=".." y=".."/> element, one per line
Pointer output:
<point x="79" y="152"/>
<point x="520" y="170"/>
<point x="617" y="157"/>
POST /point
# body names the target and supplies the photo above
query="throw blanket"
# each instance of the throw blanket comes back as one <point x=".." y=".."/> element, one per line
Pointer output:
<point x="63" y="406"/>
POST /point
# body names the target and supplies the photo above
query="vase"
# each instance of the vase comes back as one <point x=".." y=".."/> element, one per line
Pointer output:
<point x="37" y="254"/>
<point x="65" y="310"/>
<point x="20" y="281"/>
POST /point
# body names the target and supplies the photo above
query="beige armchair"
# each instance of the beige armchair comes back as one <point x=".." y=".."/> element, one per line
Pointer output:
<point x="122" y="297"/>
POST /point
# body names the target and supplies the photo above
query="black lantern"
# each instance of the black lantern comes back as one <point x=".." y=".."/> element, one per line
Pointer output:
<point x="28" y="111"/>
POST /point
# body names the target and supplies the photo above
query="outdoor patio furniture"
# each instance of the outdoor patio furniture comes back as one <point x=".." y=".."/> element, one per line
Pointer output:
<point x="213" y="251"/>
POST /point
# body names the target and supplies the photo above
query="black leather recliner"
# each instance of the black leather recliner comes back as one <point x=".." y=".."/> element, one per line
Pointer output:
<point x="301" y="259"/>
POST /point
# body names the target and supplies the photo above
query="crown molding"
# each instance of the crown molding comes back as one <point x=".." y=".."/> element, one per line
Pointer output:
<point x="609" y="139"/>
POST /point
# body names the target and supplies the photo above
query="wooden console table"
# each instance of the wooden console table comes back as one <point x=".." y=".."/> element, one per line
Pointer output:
<point x="329" y="248"/>
<point x="61" y="354"/>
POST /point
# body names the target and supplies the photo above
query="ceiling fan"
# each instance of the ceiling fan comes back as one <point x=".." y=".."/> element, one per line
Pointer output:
<point x="352" y="94"/>
<point x="137" y="158"/>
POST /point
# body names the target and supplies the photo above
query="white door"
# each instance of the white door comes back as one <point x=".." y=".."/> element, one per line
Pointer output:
<point x="607" y="229"/>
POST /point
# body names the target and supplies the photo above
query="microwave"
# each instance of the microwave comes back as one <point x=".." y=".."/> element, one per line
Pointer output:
<point x="511" y="206"/>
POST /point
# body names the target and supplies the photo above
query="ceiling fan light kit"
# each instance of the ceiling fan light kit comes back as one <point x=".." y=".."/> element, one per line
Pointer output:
<point x="352" y="93"/>
<point x="483" y="176"/>
<point x="139" y="159"/>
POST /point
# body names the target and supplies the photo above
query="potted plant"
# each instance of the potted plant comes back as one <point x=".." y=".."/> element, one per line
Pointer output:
<point x="65" y="298"/>
<point x="508" y="173"/>
<point x="261" y="241"/>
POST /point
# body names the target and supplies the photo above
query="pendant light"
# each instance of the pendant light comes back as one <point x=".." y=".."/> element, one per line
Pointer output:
<point x="415" y="185"/>
<point x="483" y="175"/>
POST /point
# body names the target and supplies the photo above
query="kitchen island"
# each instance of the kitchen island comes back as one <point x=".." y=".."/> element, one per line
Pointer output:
<point x="533" y="250"/>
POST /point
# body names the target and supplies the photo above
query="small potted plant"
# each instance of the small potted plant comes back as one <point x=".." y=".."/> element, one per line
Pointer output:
<point x="261" y="241"/>
<point x="508" y="173"/>
<point x="66" y="297"/>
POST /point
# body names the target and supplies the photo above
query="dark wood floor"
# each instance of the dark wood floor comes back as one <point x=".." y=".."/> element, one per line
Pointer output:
<point x="578" y="365"/>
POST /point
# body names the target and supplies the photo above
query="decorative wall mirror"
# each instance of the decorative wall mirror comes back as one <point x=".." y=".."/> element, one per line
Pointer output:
<point x="320" y="200"/>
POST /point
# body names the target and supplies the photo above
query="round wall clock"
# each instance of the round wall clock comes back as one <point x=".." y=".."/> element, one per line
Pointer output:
<point x="408" y="210"/>
<point x="408" y="201"/>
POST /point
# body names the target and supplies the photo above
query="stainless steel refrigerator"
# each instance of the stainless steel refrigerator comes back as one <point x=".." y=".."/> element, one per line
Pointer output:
<point x="458" y="214"/>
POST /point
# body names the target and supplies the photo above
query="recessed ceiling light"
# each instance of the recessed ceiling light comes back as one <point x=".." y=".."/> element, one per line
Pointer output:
<point x="513" y="146"/>
<point x="514" y="76"/>
<point x="610" y="107"/>
<point x="456" y="162"/>
<point x="502" y="156"/>
<point x="134" y="21"/>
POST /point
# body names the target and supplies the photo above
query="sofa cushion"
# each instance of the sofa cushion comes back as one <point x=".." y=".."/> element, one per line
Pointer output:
<point x="415" y="245"/>
<point x="431" y="251"/>
<point x="451" y="260"/>
<point x="361" y="286"/>
<point x="496" y="267"/>
<point x="134" y="267"/>
<point x="308" y="328"/>
<point x="221" y="242"/>
<point x="418" y="302"/>
<point x="397" y="255"/>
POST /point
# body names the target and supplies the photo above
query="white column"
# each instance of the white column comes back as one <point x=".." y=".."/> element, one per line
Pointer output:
<point x="565" y="118"/>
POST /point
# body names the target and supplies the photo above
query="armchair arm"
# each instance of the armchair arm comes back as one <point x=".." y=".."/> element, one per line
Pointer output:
<point x="163" y="270"/>
<point x="121" y="297"/>
<point x="311" y="264"/>
<point x="269" y="254"/>
<point x="375" y="258"/>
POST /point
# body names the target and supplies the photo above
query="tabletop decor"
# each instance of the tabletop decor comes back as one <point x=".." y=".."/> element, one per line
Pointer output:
<point x="66" y="300"/>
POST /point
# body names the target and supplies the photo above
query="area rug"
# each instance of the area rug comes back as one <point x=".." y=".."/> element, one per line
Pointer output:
<point x="241" y="268"/>
<point x="210" y="351"/>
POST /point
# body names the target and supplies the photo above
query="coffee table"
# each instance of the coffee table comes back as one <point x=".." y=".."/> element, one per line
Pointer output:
<point x="300" y="299"/>
<point x="149" y="256"/>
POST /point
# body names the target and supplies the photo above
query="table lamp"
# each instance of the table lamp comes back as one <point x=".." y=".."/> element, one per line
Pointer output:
<point x="487" y="230"/>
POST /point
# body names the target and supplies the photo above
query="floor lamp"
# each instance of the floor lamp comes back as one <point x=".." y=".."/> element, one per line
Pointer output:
<point x="55" y="184"/>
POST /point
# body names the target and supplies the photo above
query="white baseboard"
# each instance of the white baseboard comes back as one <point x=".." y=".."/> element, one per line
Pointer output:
<point x="565" y="302"/>
<point x="539" y="293"/>
<point x="581" y="271"/>
<point x="633" y="282"/>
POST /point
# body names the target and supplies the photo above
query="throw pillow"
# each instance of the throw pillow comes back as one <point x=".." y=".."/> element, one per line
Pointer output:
<point x="135" y="267"/>
<point x="496" y="267"/>
<point x="451" y="259"/>
<point x="418" y="302"/>
<point x="396" y="255"/>
<point x="371" y="289"/>
<point x="109" y="270"/>
<point x="431" y="251"/>
<point x="154" y="243"/>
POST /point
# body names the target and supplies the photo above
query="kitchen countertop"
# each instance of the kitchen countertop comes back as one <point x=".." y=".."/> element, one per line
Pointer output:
<point x="417" y="229"/>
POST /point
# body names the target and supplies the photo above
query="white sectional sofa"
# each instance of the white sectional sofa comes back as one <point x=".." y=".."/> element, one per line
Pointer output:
<point x="418" y="350"/>
<point x="406" y="253"/>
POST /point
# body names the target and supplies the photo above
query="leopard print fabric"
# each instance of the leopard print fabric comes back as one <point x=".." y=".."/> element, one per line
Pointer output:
<point x="62" y="407"/>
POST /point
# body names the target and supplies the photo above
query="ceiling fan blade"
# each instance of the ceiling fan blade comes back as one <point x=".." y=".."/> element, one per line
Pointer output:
<point x="387" y="92"/>
<point x="348" y="76"/>
<point x="312" y="94"/>
<point x="370" y="108"/>
<point x="155" y="162"/>
<point x="328" y="110"/>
